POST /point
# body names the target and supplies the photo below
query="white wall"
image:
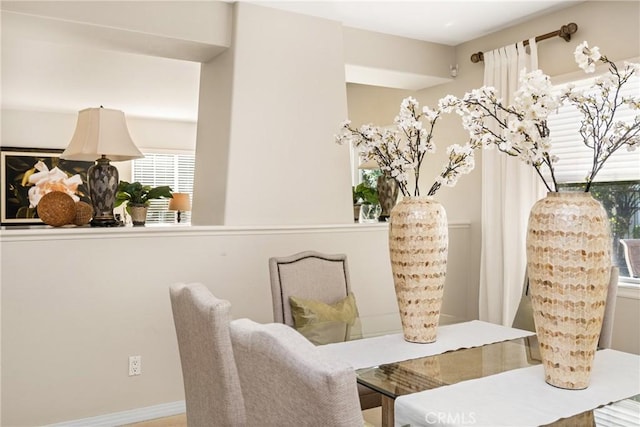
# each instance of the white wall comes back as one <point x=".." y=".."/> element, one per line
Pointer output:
<point x="395" y="62"/>
<point x="205" y="22"/>
<point x="287" y="97"/>
<point x="188" y="30"/>
<point x="76" y="303"/>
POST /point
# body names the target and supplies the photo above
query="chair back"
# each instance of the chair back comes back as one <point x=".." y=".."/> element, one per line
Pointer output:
<point x="316" y="276"/>
<point x="606" y="333"/>
<point x="309" y="275"/>
<point x="287" y="381"/>
<point x="211" y="385"/>
<point x="524" y="314"/>
<point x="632" y="255"/>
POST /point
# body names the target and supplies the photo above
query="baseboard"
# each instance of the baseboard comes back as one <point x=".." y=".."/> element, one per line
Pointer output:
<point x="128" y="417"/>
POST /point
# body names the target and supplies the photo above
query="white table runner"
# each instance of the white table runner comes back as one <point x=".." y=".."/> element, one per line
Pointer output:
<point x="520" y="397"/>
<point x="368" y="352"/>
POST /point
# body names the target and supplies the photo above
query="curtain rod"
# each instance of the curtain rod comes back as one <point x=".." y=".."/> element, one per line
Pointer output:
<point x="564" y="32"/>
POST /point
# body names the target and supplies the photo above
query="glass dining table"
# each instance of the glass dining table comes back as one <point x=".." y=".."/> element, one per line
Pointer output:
<point x="405" y="377"/>
<point x="411" y="376"/>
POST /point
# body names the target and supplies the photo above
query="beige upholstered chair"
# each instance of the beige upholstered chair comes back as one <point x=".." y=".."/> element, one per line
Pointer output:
<point x="632" y="255"/>
<point x="606" y="334"/>
<point x="309" y="275"/>
<point x="211" y="384"/>
<point x="524" y="315"/>
<point x="317" y="276"/>
<point x="287" y="381"/>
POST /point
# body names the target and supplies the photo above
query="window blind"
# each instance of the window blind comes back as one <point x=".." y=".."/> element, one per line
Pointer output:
<point x="174" y="170"/>
<point x="575" y="159"/>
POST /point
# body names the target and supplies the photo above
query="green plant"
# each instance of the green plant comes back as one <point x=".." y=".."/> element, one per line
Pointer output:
<point x="365" y="194"/>
<point x="136" y="193"/>
<point x="370" y="177"/>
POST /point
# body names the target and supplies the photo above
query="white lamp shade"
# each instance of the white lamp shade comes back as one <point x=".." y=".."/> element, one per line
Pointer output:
<point x="101" y="131"/>
<point x="180" y="202"/>
<point x="369" y="164"/>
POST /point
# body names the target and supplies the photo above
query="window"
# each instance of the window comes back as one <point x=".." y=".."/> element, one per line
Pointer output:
<point x="618" y="183"/>
<point x="174" y="170"/>
<point x="364" y="171"/>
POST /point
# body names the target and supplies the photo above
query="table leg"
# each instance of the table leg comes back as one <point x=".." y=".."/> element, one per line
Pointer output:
<point x="387" y="411"/>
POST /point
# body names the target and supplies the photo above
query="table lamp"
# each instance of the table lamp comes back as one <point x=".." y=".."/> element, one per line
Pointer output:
<point x="180" y="202"/>
<point x="101" y="134"/>
<point x="369" y="165"/>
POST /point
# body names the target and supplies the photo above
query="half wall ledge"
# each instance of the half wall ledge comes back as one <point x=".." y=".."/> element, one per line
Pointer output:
<point x="10" y="234"/>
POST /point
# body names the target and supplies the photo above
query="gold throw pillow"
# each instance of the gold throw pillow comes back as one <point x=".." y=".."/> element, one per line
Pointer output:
<point x="306" y="311"/>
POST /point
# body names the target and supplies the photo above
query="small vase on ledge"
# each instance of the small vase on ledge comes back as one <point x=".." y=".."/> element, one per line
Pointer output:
<point x="369" y="213"/>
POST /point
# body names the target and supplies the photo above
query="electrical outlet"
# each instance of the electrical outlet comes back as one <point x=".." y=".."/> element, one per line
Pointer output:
<point x="135" y="365"/>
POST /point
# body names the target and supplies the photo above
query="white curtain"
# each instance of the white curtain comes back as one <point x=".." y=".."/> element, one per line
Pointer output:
<point x="509" y="190"/>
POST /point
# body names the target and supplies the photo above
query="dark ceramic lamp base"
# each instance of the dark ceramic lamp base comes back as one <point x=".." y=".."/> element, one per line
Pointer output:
<point x="103" y="184"/>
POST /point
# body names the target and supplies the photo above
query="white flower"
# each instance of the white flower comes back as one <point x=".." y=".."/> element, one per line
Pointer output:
<point x="401" y="150"/>
<point x="461" y="161"/>
<point x="587" y="57"/>
<point x="448" y="103"/>
<point x="521" y="130"/>
<point x="45" y="181"/>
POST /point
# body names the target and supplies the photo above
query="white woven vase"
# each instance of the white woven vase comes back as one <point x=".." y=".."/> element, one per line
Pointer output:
<point x="418" y="247"/>
<point x="569" y="264"/>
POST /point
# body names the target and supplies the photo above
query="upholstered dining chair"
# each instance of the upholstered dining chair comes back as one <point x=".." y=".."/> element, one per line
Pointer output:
<point x="631" y="249"/>
<point x="606" y="334"/>
<point x="211" y="384"/>
<point x="310" y="275"/>
<point x="524" y="314"/>
<point x="287" y="381"/>
<point x="316" y="276"/>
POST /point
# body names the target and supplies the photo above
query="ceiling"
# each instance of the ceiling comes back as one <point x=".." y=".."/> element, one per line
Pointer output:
<point x="448" y="22"/>
<point x="45" y="76"/>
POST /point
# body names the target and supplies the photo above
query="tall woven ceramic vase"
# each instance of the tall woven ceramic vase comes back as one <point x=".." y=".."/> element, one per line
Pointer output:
<point x="569" y="264"/>
<point x="418" y="246"/>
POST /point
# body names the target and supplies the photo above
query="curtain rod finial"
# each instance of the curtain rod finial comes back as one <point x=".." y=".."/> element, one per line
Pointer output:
<point x="477" y="57"/>
<point x="566" y="31"/>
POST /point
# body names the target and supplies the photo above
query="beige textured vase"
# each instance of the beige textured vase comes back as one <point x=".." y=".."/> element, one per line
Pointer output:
<point x="568" y="263"/>
<point x="418" y="247"/>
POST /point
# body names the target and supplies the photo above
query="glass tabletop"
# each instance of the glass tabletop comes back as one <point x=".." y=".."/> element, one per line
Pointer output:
<point x="411" y="376"/>
<point x="415" y="375"/>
